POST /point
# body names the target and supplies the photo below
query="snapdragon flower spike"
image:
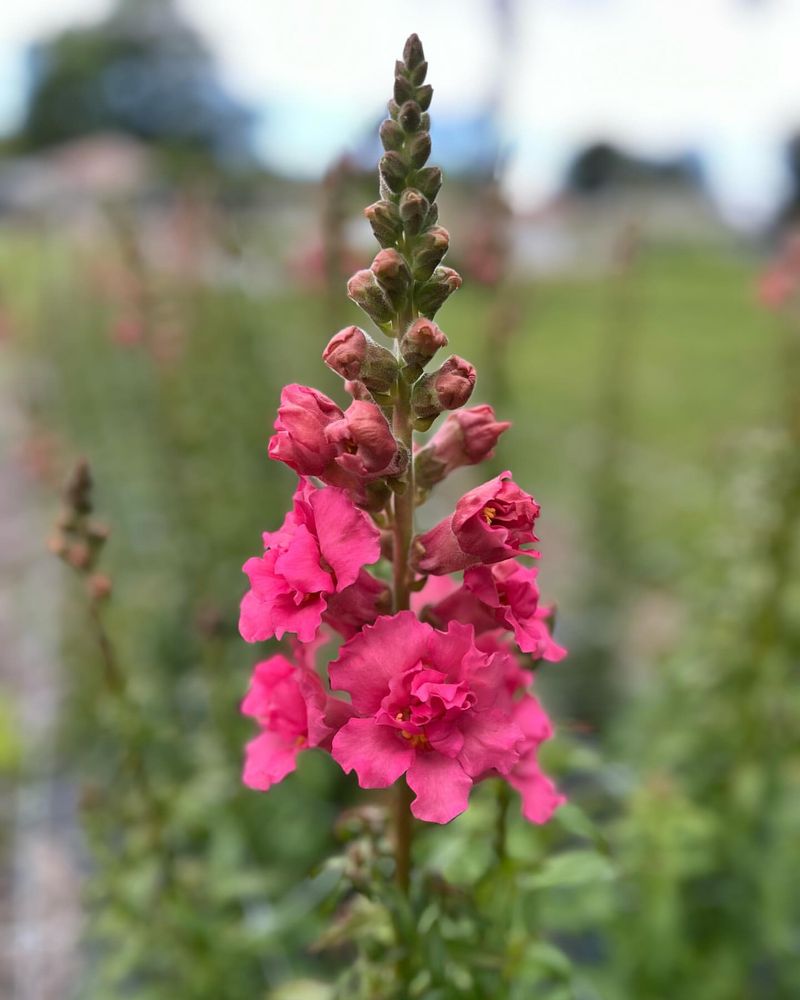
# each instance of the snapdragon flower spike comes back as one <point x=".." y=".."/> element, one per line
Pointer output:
<point x="319" y="551"/>
<point x="490" y="524"/>
<point x="293" y="712"/>
<point x="466" y="437"/>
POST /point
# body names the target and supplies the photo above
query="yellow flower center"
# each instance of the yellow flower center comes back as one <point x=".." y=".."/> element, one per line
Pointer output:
<point x="490" y="513"/>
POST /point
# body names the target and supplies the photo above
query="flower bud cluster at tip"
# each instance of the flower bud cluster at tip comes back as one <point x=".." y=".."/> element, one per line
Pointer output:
<point x="77" y="538"/>
<point x="406" y="284"/>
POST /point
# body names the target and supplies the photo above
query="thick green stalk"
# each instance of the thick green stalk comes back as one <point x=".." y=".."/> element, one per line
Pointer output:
<point x="403" y="533"/>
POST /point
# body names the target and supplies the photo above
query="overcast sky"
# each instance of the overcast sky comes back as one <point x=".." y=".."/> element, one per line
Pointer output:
<point x="721" y="77"/>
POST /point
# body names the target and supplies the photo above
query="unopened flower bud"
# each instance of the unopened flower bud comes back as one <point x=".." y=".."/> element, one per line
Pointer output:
<point x="428" y="180"/>
<point x="384" y="218"/>
<point x="364" y="290"/>
<point x="353" y="354"/>
<point x="413" y="53"/>
<point x="393" y="170"/>
<point x="419" y="149"/>
<point x="445" y="389"/>
<point x="404" y="90"/>
<point x="418" y="74"/>
<point x="409" y="116"/>
<point x="467" y="437"/>
<point x="424" y="96"/>
<point x="420" y="342"/>
<point x="392" y="135"/>
<point x="99" y="586"/>
<point x="414" y="209"/>
<point x="393" y="274"/>
<point x="430" y="250"/>
<point x="57" y="545"/>
<point x="436" y="291"/>
<point x="79" y="555"/>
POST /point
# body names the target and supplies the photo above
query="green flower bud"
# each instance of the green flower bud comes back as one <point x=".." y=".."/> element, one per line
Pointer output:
<point x="414" y="209"/>
<point x="410" y="116"/>
<point x="393" y="171"/>
<point x="404" y="90"/>
<point x="428" y="180"/>
<point x="364" y="290"/>
<point x="437" y="290"/>
<point x="419" y="149"/>
<point x="424" y="96"/>
<point x="431" y="247"/>
<point x="392" y="135"/>
<point x="384" y="218"/>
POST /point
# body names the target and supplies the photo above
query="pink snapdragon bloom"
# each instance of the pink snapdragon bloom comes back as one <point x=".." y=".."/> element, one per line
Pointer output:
<point x="466" y="437"/>
<point x="503" y="595"/>
<point x="300" y="439"/>
<point x="294" y="714"/>
<point x="540" y="797"/>
<point x="490" y="524"/>
<point x="428" y="705"/>
<point x="319" y="551"/>
<point x="365" y="447"/>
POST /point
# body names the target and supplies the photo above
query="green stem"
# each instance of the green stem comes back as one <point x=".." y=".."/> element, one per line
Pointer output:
<point x="403" y="532"/>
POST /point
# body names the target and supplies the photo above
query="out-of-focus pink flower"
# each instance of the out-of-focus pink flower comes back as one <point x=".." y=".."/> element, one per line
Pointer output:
<point x="294" y="714"/>
<point x="364" y="443"/>
<point x="426" y="705"/>
<point x="490" y="524"/>
<point x="503" y="595"/>
<point x="540" y="797"/>
<point x="324" y="542"/>
<point x="465" y="438"/>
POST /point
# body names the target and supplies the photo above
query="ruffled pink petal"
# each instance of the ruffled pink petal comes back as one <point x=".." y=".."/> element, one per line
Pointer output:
<point x="368" y="662"/>
<point x="540" y="797"/>
<point x="325" y="715"/>
<point x="304" y="619"/>
<point x="299" y="566"/>
<point x="378" y="754"/>
<point x="268" y="759"/>
<point x="441" y="785"/>
<point x="347" y="537"/>
<point x="491" y="740"/>
<point x="532" y="720"/>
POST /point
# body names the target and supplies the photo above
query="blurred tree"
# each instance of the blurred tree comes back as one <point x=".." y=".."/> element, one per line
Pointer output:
<point x="142" y="71"/>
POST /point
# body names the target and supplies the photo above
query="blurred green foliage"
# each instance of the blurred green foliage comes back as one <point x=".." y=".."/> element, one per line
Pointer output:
<point x="670" y="871"/>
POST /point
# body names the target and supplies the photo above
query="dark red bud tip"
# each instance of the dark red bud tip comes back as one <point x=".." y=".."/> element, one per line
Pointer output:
<point x="413" y="53"/>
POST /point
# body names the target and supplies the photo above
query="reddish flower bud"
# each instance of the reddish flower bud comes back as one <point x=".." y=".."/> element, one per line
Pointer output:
<point x="420" y="342"/>
<point x="413" y="54"/>
<point x="364" y="290"/>
<point x="393" y="274"/>
<point x="435" y="292"/>
<point x="365" y="445"/>
<point x="353" y="354"/>
<point x="445" y="389"/>
<point x="465" y="438"/>
<point x="99" y="586"/>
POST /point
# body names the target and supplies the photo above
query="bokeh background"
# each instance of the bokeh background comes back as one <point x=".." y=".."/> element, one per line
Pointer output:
<point x="181" y="185"/>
